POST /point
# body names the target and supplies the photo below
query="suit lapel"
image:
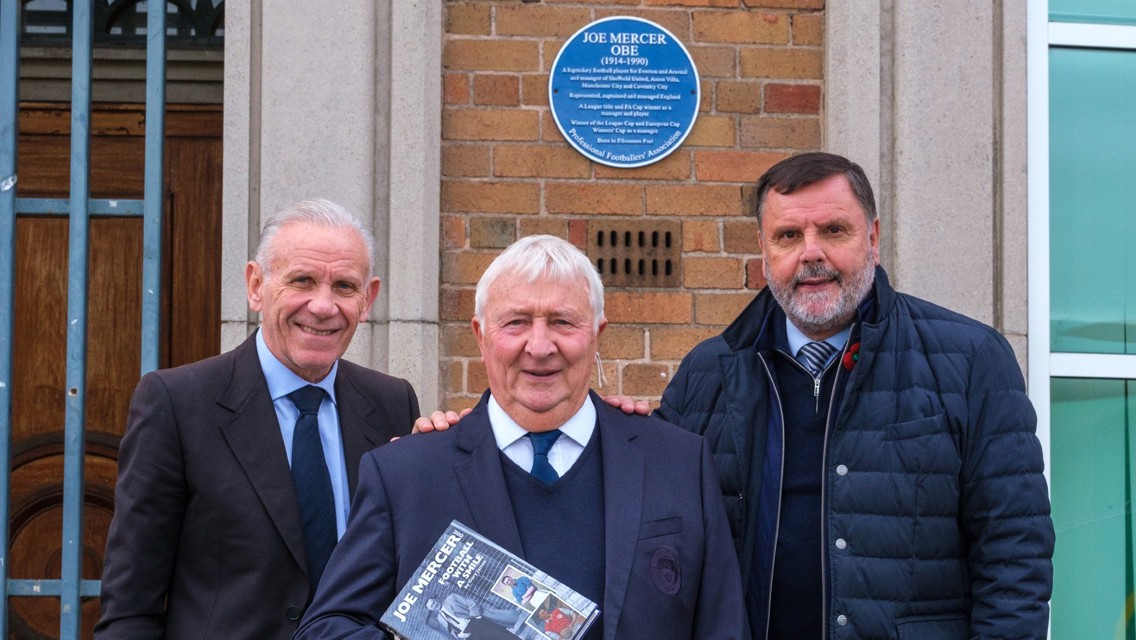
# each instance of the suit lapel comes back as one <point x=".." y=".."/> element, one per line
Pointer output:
<point x="482" y="481"/>
<point x="356" y="423"/>
<point x="623" y="506"/>
<point x="253" y="435"/>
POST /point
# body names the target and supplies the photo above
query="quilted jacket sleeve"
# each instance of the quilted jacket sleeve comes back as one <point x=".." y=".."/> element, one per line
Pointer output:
<point x="1004" y="506"/>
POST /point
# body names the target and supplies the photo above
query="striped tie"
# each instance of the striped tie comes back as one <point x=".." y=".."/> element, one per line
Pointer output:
<point x="814" y="355"/>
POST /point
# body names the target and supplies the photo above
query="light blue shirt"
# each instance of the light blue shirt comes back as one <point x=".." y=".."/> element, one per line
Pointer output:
<point x="574" y="436"/>
<point x="797" y="339"/>
<point x="281" y="382"/>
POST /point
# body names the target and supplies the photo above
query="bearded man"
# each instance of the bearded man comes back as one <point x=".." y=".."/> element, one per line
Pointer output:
<point x="876" y="452"/>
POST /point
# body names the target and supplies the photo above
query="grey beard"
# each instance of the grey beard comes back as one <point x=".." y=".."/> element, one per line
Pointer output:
<point x="833" y="314"/>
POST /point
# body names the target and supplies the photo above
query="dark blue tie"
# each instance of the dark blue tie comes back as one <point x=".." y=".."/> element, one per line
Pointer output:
<point x="814" y="355"/>
<point x="541" y="444"/>
<point x="312" y="482"/>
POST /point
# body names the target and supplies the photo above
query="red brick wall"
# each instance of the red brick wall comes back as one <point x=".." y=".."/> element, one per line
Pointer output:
<point x="507" y="172"/>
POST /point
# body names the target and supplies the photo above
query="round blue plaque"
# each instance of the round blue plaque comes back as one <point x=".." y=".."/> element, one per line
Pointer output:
<point x="624" y="91"/>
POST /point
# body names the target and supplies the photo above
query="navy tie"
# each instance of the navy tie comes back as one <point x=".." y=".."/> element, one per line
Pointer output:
<point x="542" y="443"/>
<point x="312" y="482"/>
<point x="814" y="355"/>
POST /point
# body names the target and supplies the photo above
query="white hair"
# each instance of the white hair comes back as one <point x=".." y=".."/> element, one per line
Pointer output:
<point x="318" y="212"/>
<point x="534" y="257"/>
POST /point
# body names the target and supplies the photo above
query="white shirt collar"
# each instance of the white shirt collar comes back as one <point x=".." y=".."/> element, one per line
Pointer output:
<point x="282" y="380"/>
<point x="506" y="431"/>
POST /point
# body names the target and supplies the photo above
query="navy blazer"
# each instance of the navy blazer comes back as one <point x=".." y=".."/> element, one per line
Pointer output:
<point x="206" y="540"/>
<point x="660" y="489"/>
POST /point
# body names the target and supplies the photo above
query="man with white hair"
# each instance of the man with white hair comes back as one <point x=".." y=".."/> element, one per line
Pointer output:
<point x="236" y="472"/>
<point x="623" y="509"/>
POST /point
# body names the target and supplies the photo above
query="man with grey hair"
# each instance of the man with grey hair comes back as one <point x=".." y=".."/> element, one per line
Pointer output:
<point x="623" y="509"/>
<point x="236" y="473"/>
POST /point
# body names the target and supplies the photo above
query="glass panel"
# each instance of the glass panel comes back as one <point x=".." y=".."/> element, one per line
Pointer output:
<point x="1104" y="11"/>
<point x="1092" y="98"/>
<point x="1091" y="474"/>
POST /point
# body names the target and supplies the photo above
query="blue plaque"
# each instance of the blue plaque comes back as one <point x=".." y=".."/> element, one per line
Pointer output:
<point x="624" y="91"/>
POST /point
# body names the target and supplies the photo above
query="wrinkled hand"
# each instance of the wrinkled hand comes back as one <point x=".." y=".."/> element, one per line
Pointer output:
<point x="627" y="404"/>
<point x="438" y="421"/>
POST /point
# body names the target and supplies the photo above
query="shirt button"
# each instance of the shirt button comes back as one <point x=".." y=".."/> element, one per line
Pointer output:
<point x="841" y="544"/>
<point x="293" y="613"/>
<point x="842" y="619"/>
<point x="841" y="470"/>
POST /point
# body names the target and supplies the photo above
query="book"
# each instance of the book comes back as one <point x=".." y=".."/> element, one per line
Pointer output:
<point x="469" y="587"/>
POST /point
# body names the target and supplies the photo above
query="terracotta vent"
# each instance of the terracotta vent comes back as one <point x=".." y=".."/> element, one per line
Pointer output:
<point x="636" y="254"/>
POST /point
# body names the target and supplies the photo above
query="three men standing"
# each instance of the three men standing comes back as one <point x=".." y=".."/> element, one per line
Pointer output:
<point x="875" y="453"/>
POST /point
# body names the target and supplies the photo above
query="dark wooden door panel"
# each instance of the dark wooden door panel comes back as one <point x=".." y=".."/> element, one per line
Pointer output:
<point x="190" y="310"/>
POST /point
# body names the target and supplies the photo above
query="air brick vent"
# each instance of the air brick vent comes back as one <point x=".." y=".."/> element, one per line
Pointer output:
<point x="636" y="254"/>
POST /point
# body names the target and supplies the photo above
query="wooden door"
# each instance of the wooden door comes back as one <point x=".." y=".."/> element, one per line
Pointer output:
<point x="190" y="330"/>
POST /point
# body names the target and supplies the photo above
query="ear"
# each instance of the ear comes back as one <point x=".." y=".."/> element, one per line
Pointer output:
<point x="874" y="238"/>
<point x="372" y="294"/>
<point x="600" y="329"/>
<point x="254" y="280"/>
<point x="475" y="323"/>
<point x="761" y="249"/>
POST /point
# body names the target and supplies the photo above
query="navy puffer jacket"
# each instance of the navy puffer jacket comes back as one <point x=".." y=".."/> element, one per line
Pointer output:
<point x="936" y="510"/>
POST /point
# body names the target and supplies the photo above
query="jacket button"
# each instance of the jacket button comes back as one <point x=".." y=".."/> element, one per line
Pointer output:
<point x="842" y="619"/>
<point x="293" y="613"/>
<point x="841" y="470"/>
<point x="841" y="544"/>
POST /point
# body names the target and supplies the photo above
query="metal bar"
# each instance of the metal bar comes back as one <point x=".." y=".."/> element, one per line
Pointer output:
<point x="87" y="588"/>
<point x="1089" y="17"/>
<point x="1037" y="196"/>
<point x="9" y="106"/>
<point x="61" y="206"/>
<point x="1092" y="36"/>
<point x="79" y="227"/>
<point x="153" y="194"/>
<point x="1092" y="365"/>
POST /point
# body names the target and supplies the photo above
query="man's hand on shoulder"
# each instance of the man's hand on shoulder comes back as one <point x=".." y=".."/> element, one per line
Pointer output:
<point x="626" y="404"/>
<point x="439" y="421"/>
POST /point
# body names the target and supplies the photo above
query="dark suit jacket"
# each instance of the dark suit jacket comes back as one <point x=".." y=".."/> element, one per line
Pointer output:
<point x="660" y="491"/>
<point x="206" y="540"/>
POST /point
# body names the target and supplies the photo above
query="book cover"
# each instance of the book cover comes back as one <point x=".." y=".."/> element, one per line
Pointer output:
<point x="468" y="587"/>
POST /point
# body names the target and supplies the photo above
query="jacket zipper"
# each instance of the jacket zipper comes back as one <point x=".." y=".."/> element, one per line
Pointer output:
<point x="816" y="380"/>
<point x="781" y="483"/>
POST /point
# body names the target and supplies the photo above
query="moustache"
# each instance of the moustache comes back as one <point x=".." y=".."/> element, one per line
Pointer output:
<point x="817" y="271"/>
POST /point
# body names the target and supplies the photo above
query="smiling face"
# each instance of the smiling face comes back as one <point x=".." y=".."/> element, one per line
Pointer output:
<point x="819" y="254"/>
<point x="311" y="295"/>
<point x="538" y="344"/>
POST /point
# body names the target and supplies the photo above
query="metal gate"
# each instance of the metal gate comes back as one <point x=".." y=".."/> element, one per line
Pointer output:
<point x="70" y="588"/>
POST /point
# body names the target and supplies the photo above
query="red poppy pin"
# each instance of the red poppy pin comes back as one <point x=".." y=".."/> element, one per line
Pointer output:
<point x="852" y="356"/>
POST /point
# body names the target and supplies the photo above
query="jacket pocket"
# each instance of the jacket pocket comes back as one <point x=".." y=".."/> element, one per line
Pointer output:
<point x="916" y="428"/>
<point x="936" y="627"/>
<point x="660" y="527"/>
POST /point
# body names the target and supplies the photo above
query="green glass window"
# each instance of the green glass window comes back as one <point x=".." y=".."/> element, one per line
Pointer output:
<point x="1100" y="11"/>
<point x="1092" y="482"/>
<point x="1092" y="213"/>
